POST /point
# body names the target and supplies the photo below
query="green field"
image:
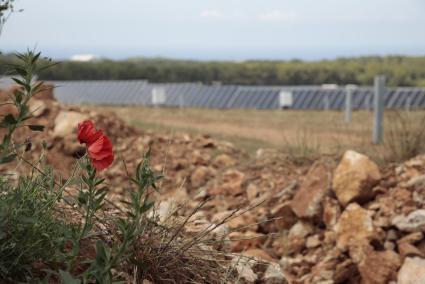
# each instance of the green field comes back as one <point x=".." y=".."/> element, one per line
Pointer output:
<point x="299" y="133"/>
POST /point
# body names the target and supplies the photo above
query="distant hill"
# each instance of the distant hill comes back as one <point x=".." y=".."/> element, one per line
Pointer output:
<point x="400" y="71"/>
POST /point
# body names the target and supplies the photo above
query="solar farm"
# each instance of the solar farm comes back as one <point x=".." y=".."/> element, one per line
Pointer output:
<point x="193" y="95"/>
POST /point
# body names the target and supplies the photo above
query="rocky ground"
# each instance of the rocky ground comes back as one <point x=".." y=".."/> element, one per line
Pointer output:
<point x="337" y="220"/>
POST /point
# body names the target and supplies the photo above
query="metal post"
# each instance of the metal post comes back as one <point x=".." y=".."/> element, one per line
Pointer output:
<point x="349" y="90"/>
<point x="378" y="104"/>
<point x="326" y="101"/>
<point x="408" y="103"/>
<point x="180" y="100"/>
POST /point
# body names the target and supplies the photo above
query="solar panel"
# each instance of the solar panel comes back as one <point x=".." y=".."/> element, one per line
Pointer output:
<point x="139" y="92"/>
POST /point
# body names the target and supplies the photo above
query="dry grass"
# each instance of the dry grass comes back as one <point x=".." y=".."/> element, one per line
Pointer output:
<point x="299" y="133"/>
<point x="405" y="136"/>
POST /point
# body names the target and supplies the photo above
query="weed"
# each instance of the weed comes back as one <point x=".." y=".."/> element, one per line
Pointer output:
<point x="405" y="136"/>
<point x="302" y="148"/>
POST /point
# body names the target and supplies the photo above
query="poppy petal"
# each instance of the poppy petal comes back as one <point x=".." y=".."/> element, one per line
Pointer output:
<point x="87" y="133"/>
<point x="103" y="163"/>
<point x="99" y="147"/>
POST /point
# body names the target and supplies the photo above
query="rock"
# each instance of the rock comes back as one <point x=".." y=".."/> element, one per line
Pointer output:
<point x="326" y="268"/>
<point x="421" y="246"/>
<point x="201" y="175"/>
<point x="232" y="181"/>
<point x="392" y="235"/>
<point x="205" y="141"/>
<point x="412" y="271"/>
<point x="244" y="269"/>
<point x="199" y="158"/>
<point x="300" y="230"/>
<point x="416" y="182"/>
<point x="223" y="161"/>
<point x="245" y="241"/>
<point x="419" y="195"/>
<point x="166" y="208"/>
<point x="274" y="275"/>
<point x="354" y="178"/>
<point x="252" y="191"/>
<point x="66" y="123"/>
<point x="283" y="215"/>
<point x="297" y="236"/>
<point x="379" y="267"/>
<point x="345" y="271"/>
<point x="196" y="227"/>
<point x="258" y="254"/>
<point x="329" y="237"/>
<point x="46" y="92"/>
<point x="287" y="262"/>
<point x="37" y="107"/>
<point x="405" y="249"/>
<point x="388" y="245"/>
<point x="73" y="148"/>
<point x="316" y="185"/>
<point x="331" y="212"/>
<point x="414" y="222"/>
<point x="244" y="222"/>
<point x="412" y="238"/>
<point x="354" y="226"/>
<point x="313" y="241"/>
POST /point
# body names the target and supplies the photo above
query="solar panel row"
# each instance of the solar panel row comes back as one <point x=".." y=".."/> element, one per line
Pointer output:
<point x="140" y="92"/>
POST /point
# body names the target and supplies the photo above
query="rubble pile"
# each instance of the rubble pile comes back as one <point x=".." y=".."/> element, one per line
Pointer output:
<point x="334" y="221"/>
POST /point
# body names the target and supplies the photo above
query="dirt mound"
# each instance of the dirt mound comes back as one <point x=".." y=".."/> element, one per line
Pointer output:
<point x="331" y="222"/>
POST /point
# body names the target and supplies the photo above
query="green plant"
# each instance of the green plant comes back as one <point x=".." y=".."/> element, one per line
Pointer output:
<point x="54" y="230"/>
<point x="30" y="230"/>
<point x="26" y="69"/>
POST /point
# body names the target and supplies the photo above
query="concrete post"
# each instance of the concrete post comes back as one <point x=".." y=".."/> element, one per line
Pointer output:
<point x="408" y="103"/>
<point x="326" y="102"/>
<point x="378" y="109"/>
<point x="180" y="100"/>
<point x="349" y="90"/>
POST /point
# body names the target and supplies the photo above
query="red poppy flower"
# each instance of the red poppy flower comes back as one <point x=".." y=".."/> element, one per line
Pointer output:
<point x="99" y="147"/>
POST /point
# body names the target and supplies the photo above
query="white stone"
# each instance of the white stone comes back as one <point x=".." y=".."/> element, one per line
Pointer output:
<point x="274" y="275"/>
<point x="414" y="222"/>
<point x="243" y="267"/>
<point x="412" y="271"/>
<point x="66" y="123"/>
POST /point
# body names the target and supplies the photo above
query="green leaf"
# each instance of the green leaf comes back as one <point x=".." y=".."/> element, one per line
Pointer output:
<point x="24" y="111"/>
<point x="35" y="127"/>
<point x="145" y="207"/>
<point x="7" y="159"/>
<point x="9" y="119"/>
<point x="82" y="198"/>
<point x="102" y="254"/>
<point x="99" y="181"/>
<point x="19" y="82"/>
<point x="35" y="58"/>
<point x="18" y="97"/>
<point x="21" y="71"/>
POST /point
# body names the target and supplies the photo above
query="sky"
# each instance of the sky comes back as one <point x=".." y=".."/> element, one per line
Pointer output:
<point x="218" y="30"/>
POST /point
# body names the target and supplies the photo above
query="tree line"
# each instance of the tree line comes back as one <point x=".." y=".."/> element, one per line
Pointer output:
<point x="400" y="71"/>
